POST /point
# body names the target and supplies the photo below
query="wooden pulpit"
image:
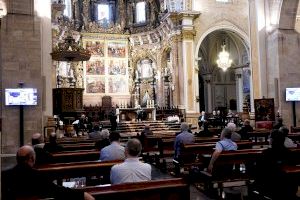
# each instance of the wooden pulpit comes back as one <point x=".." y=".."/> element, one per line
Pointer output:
<point x="67" y="101"/>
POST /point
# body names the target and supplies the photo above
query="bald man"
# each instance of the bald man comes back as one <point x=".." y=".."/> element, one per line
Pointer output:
<point x="24" y="182"/>
<point x="131" y="170"/>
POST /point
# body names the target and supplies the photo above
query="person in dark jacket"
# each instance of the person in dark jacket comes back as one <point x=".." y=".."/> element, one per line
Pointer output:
<point x="279" y="123"/>
<point x="270" y="178"/>
<point x="24" y="182"/>
<point x="41" y="156"/>
<point x="246" y="128"/>
<point x="52" y="146"/>
<point x="205" y="132"/>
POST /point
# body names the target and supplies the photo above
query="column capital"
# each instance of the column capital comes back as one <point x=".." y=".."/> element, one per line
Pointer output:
<point x="207" y="78"/>
<point x="188" y="34"/>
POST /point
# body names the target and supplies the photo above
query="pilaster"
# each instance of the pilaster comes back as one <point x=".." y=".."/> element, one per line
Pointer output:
<point x="188" y="76"/>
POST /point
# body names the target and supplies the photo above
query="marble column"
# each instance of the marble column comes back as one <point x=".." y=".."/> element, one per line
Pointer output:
<point x="187" y="77"/>
<point x="239" y="89"/>
<point x="208" y="89"/>
<point x="257" y="27"/>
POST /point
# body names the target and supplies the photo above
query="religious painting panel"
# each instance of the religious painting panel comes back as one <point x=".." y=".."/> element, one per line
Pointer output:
<point x="264" y="109"/>
<point x="117" y="67"/>
<point x="96" y="67"/>
<point x="116" y="49"/>
<point x="96" y="48"/>
<point x="117" y="84"/>
<point x="95" y="85"/>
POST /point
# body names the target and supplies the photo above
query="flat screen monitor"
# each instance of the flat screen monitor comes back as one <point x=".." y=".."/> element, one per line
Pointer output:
<point x="20" y="96"/>
<point x="292" y="94"/>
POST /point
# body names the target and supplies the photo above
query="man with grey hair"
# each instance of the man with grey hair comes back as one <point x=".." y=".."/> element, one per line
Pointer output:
<point x="185" y="137"/>
<point x="225" y="144"/>
<point x="24" y="182"/>
<point x="234" y="135"/>
<point x="131" y="170"/>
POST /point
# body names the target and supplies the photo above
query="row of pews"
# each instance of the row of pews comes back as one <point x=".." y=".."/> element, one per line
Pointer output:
<point x="81" y="162"/>
<point x="79" y="158"/>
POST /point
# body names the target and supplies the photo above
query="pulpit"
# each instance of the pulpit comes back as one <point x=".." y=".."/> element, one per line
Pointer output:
<point x="67" y="102"/>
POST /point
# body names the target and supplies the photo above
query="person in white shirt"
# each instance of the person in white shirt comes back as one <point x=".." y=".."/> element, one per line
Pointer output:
<point x="114" y="151"/>
<point x="131" y="170"/>
<point x="288" y="142"/>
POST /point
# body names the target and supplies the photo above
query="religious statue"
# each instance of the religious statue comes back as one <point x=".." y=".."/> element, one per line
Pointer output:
<point x="145" y="98"/>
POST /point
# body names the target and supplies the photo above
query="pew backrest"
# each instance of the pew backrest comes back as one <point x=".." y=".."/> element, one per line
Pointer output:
<point x="165" y="189"/>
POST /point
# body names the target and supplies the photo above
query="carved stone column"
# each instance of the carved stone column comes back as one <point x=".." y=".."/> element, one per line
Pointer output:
<point x="207" y="81"/>
<point x="239" y="89"/>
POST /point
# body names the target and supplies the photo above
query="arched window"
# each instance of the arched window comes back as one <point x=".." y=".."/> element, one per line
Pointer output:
<point x="140" y="16"/>
<point x="103" y="13"/>
<point x="68" y="8"/>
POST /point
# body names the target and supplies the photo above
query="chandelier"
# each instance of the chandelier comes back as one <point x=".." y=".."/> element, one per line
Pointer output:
<point x="70" y="51"/>
<point x="224" y="62"/>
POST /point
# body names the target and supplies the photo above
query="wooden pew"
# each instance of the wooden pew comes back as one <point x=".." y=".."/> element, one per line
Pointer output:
<point x="74" y="156"/>
<point x="227" y="168"/>
<point x="79" y="146"/>
<point x="191" y="154"/>
<point x="60" y="171"/>
<point x="166" y="145"/>
<point x="68" y="140"/>
<point x="259" y="134"/>
<point x="294" y="136"/>
<point x="165" y="189"/>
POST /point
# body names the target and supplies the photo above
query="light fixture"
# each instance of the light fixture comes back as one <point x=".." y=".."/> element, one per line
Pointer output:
<point x="224" y="62"/>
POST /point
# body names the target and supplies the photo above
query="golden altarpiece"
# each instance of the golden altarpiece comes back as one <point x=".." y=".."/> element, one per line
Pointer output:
<point x="135" y="49"/>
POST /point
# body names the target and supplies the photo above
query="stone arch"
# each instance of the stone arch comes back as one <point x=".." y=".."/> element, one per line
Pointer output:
<point x="287" y="14"/>
<point x="244" y="37"/>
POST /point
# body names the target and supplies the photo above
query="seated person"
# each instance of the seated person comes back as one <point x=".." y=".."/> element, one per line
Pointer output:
<point x="114" y="151"/>
<point x="96" y="134"/>
<point x="24" y="182"/>
<point x="225" y="144"/>
<point x="234" y="135"/>
<point x="288" y="143"/>
<point x="219" y="119"/>
<point x="270" y="179"/>
<point x="131" y="170"/>
<point x="185" y="137"/>
<point x="246" y="128"/>
<point x="201" y="119"/>
<point x="279" y="123"/>
<point x="205" y="132"/>
<point x="52" y="145"/>
<point x="38" y="144"/>
<point x="101" y="143"/>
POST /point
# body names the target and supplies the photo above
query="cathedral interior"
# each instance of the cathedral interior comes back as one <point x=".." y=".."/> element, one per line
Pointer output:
<point x="185" y="56"/>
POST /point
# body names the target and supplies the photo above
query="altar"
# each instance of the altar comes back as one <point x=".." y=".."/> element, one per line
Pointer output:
<point x="129" y="114"/>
